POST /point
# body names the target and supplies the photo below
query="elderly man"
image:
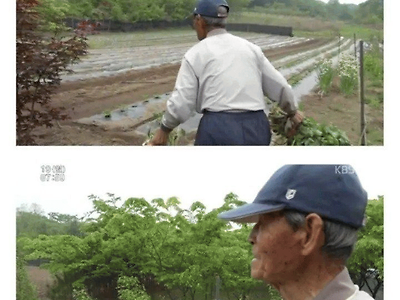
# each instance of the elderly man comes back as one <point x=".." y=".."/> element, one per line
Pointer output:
<point x="225" y="78"/>
<point x="307" y="218"/>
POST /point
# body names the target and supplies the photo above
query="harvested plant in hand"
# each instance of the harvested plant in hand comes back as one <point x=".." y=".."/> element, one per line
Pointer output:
<point x="310" y="133"/>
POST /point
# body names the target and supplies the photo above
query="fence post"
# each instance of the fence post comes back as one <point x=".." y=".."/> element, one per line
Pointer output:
<point x="339" y="44"/>
<point x="363" y="127"/>
<point x="355" y="47"/>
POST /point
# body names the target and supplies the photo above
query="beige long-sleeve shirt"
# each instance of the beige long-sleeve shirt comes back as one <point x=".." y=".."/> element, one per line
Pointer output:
<point x="224" y="72"/>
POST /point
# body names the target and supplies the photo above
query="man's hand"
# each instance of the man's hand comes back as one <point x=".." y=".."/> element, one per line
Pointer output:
<point x="160" y="138"/>
<point x="295" y="121"/>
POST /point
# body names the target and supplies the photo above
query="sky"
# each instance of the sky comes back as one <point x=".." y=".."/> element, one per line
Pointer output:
<point x="206" y="176"/>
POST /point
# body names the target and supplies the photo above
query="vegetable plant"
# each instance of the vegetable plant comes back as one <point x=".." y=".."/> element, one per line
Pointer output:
<point x="325" y="75"/>
<point x="310" y="133"/>
<point x="348" y="73"/>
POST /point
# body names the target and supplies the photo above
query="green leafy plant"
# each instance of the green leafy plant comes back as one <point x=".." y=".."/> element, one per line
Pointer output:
<point x="348" y="74"/>
<point x="107" y="113"/>
<point x="310" y="133"/>
<point x="326" y="74"/>
<point x="123" y="108"/>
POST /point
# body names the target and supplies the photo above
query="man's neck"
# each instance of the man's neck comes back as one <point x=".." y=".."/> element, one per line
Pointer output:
<point x="308" y="282"/>
<point x="215" y="30"/>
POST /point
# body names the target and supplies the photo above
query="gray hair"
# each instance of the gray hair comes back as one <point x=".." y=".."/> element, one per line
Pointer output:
<point x="340" y="239"/>
<point x="217" y="22"/>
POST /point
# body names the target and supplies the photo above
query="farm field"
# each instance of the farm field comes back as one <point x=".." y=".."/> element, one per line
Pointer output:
<point x="119" y="89"/>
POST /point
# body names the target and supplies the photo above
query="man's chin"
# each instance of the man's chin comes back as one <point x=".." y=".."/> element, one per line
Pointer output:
<point x="256" y="272"/>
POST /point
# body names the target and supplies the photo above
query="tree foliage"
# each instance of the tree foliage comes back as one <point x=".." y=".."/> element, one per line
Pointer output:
<point x="370" y="11"/>
<point x="157" y="242"/>
<point x="32" y="222"/>
<point x="40" y="62"/>
<point x="368" y="252"/>
<point x="366" y="263"/>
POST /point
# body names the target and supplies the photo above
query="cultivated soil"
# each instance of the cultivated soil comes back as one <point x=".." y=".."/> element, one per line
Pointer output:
<point x="344" y="112"/>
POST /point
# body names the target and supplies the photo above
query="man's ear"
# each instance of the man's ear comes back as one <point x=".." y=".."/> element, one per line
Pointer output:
<point x="314" y="237"/>
<point x="201" y="21"/>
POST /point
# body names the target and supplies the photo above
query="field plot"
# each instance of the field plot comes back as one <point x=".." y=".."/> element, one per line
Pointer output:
<point x="119" y="90"/>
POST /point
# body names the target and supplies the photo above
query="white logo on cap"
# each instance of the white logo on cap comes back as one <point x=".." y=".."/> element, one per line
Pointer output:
<point x="290" y="194"/>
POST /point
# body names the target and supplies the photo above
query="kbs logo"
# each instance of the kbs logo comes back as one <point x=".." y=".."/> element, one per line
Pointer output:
<point x="344" y="170"/>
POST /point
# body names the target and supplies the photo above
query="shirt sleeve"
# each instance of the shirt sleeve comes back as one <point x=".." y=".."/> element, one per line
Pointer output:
<point x="181" y="104"/>
<point x="276" y="88"/>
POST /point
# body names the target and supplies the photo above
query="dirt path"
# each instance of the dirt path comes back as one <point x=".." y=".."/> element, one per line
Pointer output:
<point x="85" y="98"/>
<point x="41" y="279"/>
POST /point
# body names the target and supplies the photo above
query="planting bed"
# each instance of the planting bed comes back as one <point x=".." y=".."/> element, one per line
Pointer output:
<point x="119" y="90"/>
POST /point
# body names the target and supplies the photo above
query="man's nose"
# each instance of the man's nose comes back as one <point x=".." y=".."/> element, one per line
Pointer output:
<point x="253" y="234"/>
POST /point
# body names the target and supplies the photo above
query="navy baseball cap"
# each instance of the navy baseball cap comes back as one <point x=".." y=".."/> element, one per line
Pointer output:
<point x="333" y="192"/>
<point x="210" y="8"/>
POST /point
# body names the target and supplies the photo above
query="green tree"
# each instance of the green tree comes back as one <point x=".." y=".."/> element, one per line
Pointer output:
<point x="370" y="11"/>
<point x="52" y="14"/>
<point x="368" y="253"/>
<point x="156" y="242"/>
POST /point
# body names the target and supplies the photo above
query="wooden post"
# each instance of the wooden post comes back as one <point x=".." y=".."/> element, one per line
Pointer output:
<point x="339" y="44"/>
<point x="355" y="47"/>
<point x="363" y="128"/>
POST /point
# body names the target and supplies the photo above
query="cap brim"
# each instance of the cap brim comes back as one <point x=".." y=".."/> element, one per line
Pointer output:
<point x="249" y="213"/>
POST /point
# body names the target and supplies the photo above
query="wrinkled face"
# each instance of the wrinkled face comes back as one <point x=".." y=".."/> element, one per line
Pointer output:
<point x="276" y="249"/>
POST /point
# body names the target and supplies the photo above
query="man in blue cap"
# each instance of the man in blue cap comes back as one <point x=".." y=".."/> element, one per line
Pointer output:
<point x="225" y="78"/>
<point x="307" y="218"/>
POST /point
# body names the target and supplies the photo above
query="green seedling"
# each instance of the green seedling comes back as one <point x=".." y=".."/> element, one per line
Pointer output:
<point x="107" y="114"/>
<point x="122" y="108"/>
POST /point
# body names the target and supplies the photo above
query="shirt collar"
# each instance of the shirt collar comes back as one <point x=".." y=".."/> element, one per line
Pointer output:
<point x="340" y="287"/>
<point x="216" y="32"/>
